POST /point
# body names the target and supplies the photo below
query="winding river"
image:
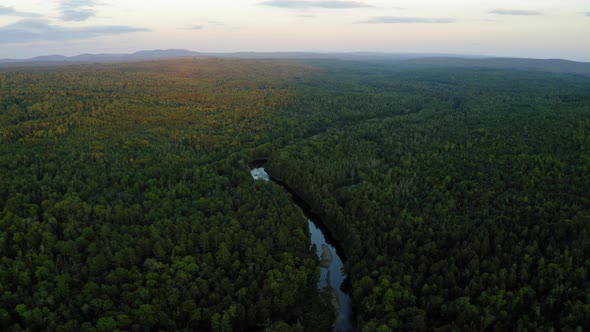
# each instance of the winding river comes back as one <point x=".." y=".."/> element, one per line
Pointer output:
<point x="331" y="266"/>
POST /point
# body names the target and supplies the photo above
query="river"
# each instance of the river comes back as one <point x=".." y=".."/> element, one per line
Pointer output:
<point x="331" y="266"/>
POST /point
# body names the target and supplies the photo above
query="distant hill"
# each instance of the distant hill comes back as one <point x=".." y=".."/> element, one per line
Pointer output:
<point x="550" y="65"/>
<point x="176" y="53"/>
<point x="137" y="56"/>
<point x="405" y="60"/>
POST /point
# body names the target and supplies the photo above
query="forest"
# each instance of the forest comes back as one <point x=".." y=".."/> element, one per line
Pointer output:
<point x="459" y="195"/>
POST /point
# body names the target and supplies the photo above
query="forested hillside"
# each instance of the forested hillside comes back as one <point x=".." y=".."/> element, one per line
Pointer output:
<point x="125" y="204"/>
<point x="460" y="196"/>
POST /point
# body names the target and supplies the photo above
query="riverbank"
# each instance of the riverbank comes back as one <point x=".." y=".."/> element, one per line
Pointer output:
<point x="332" y="274"/>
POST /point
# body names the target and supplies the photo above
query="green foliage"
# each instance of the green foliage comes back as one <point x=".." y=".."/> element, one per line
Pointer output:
<point x="125" y="203"/>
<point x="460" y="196"/>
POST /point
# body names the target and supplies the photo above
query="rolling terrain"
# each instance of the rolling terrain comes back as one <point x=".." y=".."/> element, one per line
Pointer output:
<point x="404" y="60"/>
<point x="458" y="190"/>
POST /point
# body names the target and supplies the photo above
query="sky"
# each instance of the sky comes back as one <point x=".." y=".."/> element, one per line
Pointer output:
<point x="523" y="28"/>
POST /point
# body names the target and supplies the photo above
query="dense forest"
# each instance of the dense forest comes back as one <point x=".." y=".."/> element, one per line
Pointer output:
<point x="460" y="196"/>
<point x="125" y="203"/>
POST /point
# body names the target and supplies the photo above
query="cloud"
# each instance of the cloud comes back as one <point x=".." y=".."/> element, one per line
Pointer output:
<point x="77" y="10"/>
<point x="79" y="3"/>
<point x="305" y="4"/>
<point x="305" y="15"/>
<point x="587" y="13"/>
<point x="515" y="12"/>
<point x="30" y="30"/>
<point x="10" y="11"/>
<point x="400" y="20"/>
<point x="77" y="15"/>
<point x="197" y="27"/>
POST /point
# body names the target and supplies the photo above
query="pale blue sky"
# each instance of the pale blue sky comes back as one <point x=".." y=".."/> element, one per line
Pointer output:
<point x="524" y="28"/>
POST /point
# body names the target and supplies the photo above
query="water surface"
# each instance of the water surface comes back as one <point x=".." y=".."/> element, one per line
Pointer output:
<point x="331" y="266"/>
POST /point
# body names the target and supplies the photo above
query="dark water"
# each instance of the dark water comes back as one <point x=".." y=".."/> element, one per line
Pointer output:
<point x="331" y="266"/>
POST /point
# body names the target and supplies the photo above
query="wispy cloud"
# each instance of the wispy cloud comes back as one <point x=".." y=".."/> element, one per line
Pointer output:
<point x="77" y="15"/>
<point x="306" y="4"/>
<point x="10" y="11"/>
<point x="77" y="10"/>
<point x="79" y="3"/>
<point x="305" y="15"/>
<point x="30" y="30"/>
<point x="401" y="20"/>
<point x="588" y="14"/>
<point x="197" y="27"/>
<point x="515" y="12"/>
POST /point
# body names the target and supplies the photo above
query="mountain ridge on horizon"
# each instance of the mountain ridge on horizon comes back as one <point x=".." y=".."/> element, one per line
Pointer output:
<point x="179" y="53"/>
<point x="405" y="60"/>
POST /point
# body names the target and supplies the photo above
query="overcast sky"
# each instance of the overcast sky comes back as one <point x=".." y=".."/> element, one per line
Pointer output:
<point x="523" y="28"/>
